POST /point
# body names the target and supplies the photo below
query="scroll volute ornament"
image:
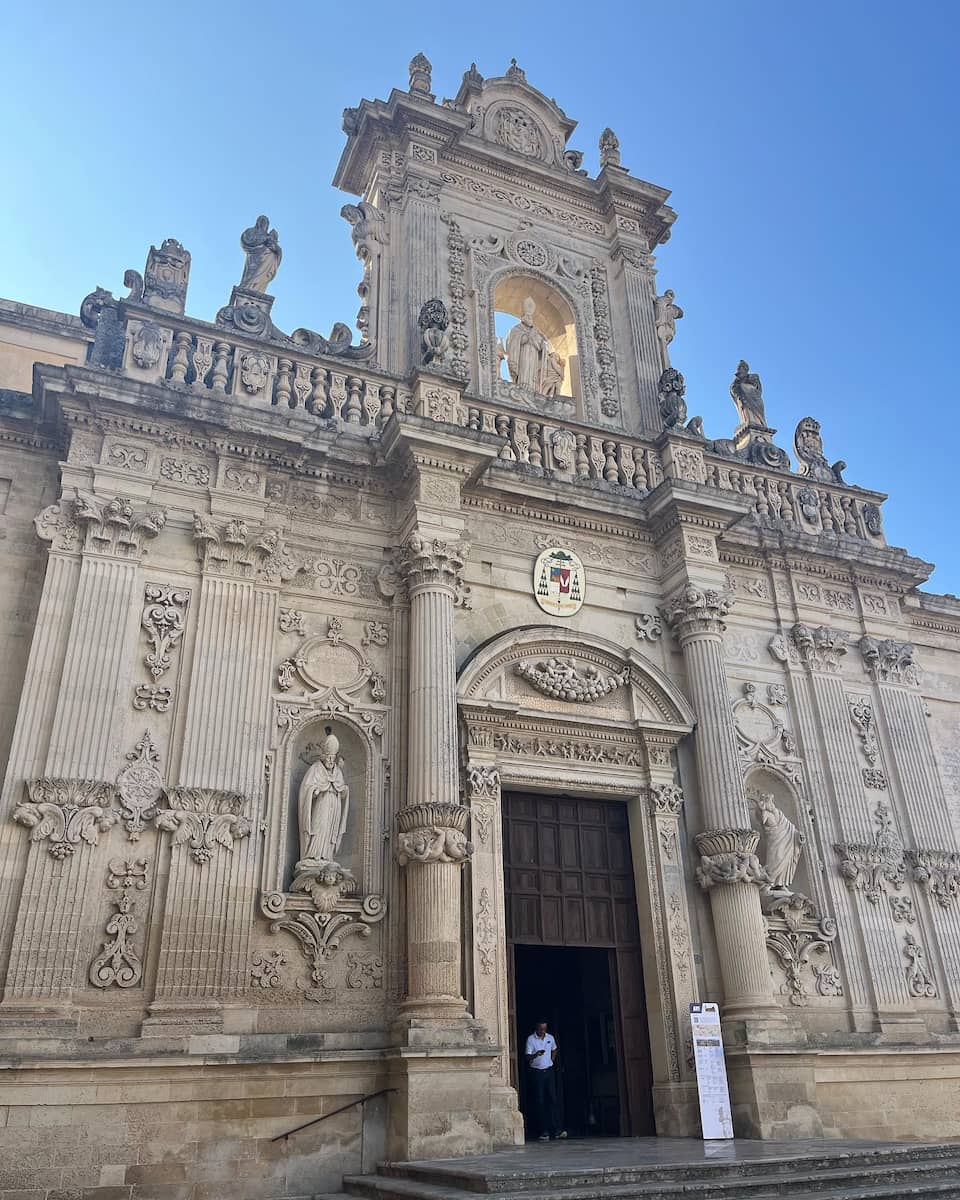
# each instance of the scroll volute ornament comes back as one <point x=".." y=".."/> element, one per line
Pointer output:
<point x="428" y="833"/>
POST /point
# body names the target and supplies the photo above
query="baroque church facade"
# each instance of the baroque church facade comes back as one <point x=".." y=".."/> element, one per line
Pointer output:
<point x="343" y="676"/>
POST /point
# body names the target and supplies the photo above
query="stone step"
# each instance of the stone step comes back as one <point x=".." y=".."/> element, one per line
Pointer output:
<point x="502" y="1178"/>
<point x="894" y="1175"/>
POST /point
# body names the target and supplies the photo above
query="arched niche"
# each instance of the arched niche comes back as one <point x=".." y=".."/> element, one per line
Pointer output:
<point x="552" y="316"/>
<point x="766" y="780"/>
<point x="298" y="747"/>
<point x="558" y="316"/>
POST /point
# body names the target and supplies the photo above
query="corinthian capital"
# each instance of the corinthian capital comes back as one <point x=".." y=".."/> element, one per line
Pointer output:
<point x="696" y="609"/>
<point x="426" y="561"/>
<point x="429" y="833"/>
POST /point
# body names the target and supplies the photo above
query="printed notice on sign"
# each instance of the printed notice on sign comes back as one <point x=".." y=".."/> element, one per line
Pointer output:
<point x="711" y="1071"/>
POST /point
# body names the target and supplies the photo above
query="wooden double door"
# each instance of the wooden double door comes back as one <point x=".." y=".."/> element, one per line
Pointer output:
<point x="574" y="957"/>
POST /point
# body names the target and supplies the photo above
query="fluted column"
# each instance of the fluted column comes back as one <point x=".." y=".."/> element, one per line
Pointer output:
<point x="729" y="868"/>
<point x="431" y="838"/>
<point x="423" y="236"/>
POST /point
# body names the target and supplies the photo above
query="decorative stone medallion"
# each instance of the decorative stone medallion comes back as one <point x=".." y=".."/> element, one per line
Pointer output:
<point x="559" y="582"/>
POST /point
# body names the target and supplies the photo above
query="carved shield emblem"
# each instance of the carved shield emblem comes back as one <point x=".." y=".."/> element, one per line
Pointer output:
<point x="559" y="582"/>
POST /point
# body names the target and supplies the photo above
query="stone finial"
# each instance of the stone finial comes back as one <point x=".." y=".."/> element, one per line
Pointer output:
<point x="609" y="148"/>
<point x="516" y="72"/>
<point x="473" y="76"/>
<point x="420" y="75"/>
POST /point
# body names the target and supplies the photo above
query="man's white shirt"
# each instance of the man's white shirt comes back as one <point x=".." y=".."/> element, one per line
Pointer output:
<point x="547" y="1044"/>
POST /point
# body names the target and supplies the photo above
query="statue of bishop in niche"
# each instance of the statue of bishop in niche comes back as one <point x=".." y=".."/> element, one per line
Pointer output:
<point x="324" y="803"/>
<point x="531" y="360"/>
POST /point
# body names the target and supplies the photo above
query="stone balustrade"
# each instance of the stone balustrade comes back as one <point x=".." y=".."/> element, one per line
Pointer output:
<point x="254" y="372"/>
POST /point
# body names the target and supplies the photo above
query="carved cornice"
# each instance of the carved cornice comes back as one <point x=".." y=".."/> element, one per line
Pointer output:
<point x="66" y="812"/>
<point x="431" y="833"/>
<point x="693" y="610"/>
<point x="887" y="661"/>
<point x="205" y="818"/>
<point x="818" y="648"/>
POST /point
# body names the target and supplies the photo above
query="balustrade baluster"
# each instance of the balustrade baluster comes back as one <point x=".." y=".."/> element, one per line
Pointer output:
<point x="318" y="396"/>
<point x="387" y="396"/>
<point x="353" y="400"/>
<point x="181" y="357"/>
<point x="536" y="446"/>
<point x="221" y="355"/>
<point x="284" y="385"/>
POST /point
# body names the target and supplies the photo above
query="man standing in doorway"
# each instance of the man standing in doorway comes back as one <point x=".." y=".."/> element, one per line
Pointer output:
<point x="541" y="1055"/>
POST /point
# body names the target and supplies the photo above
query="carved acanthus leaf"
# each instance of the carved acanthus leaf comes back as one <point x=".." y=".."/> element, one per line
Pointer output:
<point x="205" y="818"/>
<point x="938" y="873"/>
<point x="695" y="609"/>
<point x="887" y="661"/>
<point x="116" y="527"/>
<point x="729" y="856"/>
<point x="66" y="812"/>
<point x="871" y="867"/>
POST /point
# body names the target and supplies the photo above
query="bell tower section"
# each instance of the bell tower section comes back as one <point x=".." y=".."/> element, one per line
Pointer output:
<point x="546" y="274"/>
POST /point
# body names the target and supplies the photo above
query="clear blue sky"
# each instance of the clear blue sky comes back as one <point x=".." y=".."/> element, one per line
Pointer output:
<point x="812" y="150"/>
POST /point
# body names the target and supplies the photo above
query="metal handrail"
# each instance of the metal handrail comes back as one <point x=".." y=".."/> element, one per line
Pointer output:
<point x="342" y="1108"/>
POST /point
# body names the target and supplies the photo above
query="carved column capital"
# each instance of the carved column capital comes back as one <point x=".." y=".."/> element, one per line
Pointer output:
<point x="816" y="647"/>
<point x="729" y="856"/>
<point x="483" y="782"/>
<point x="115" y="528"/>
<point x="665" y="800"/>
<point x="694" y="609"/>
<point x="938" y="873"/>
<point x="205" y="818"/>
<point x="431" y="562"/>
<point x="65" y="812"/>
<point x="887" y="661"/>
<point x="232" y="548"/>
<point x="433" y="833"/>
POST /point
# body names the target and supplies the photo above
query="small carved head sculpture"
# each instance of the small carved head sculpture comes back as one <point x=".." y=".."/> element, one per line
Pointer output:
<point x="529" y="308"/>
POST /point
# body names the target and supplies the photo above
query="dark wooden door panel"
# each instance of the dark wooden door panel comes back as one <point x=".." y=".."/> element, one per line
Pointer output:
<point x="569" y="880"/>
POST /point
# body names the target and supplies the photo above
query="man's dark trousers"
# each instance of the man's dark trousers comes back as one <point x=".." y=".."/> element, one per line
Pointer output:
<point x="544" y="1101"/>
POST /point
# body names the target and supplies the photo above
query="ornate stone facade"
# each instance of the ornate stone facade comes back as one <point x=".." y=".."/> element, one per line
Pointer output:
<point x="286" y="635"/>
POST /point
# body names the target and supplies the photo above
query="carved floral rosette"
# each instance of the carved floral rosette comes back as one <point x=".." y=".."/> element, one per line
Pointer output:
<point x="729" y="856"/>
<point x="433" y="833"/>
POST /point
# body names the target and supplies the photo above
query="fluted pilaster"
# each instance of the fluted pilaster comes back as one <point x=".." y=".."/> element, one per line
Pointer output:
<point x="204" y="951"/>
<point x="646" y="348"/>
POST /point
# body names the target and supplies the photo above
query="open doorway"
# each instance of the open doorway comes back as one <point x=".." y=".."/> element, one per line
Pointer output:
<point x="572" y="989"/>
<point x="575" y="957"/>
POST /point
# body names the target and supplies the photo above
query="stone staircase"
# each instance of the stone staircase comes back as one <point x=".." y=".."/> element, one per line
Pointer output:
<point x="673" y="1167"/>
